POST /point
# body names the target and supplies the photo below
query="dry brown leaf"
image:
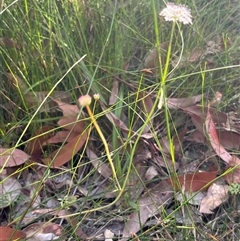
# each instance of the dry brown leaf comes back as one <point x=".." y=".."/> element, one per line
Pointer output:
<point x="213" y="138"/>
<point x="216" y="195"/>
<point x="66" y="153"/>
<point x="176" y="103"/>
<point x="151" y="173"/>
<point x="10" y="234"/>
<point x="12" y="157"/>
<point x="199" y="115"/>
<point x="117" y="122"/>
<point x="35" y="146"/>
<point x="71" y="124"/>
<point x="67" y="109"/>
<point x="193" y="182"/>
<point x="186" y="60"/>
<point x="61" y="136"/>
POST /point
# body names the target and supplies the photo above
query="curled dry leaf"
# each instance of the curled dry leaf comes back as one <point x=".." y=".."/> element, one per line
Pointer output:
<point x="10" y="234"/>
<point x="216" y="195"/>
<point x="151" y="173"/>
<point x="213" y="138"/>
<point x="12" y="157"/>
<point x="10" y="189"/>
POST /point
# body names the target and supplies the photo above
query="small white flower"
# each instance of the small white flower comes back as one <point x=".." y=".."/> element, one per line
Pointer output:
<point x="177" y="12"/>
<point x="96" y="96"/>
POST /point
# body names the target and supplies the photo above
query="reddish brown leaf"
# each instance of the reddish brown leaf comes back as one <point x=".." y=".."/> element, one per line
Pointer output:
<point x="61" y="136"/>
<point x="229" y="139"/>
<point x="71" y="124"/>
<point x="10" y="234"/>
<point x="66" y="215"/>
<point x="213" y="138"/>
<point x="66" y="153"/>
<point x="199" y="114"/>
<point x="34" y="146"/>
<point x="12" y="158"/>
<point x="197" y="136"/>
<point x="193" y="182"/>
<point x="67" y="109"/>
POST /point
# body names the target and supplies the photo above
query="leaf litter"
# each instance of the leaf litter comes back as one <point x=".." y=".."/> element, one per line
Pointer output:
<point x="147" y="195"/>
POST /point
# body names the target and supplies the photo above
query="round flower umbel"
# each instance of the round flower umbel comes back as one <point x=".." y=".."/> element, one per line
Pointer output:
<point x="177" y="13"/>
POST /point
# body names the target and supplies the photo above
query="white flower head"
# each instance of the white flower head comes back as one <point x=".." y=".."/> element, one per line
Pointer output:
<point x="177" y="12"/>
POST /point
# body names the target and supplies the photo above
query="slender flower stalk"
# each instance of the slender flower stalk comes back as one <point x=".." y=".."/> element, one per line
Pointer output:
<point x="176" y="13"/>
<point x="85" y="101"/>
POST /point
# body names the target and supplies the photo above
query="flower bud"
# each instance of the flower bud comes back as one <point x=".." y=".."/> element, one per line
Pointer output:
<point x="85" y="100"/>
